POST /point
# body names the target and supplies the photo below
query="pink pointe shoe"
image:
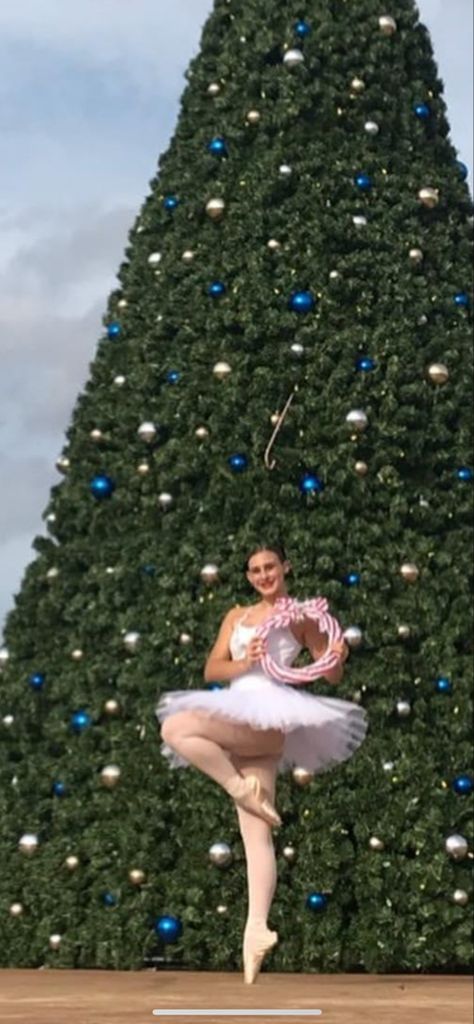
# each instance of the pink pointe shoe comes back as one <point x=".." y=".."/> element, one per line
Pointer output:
<point x="247" y="792"/>
<point x="257" y="942"/>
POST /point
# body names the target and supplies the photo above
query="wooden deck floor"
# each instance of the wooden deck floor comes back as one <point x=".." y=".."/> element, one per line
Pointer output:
<point x="126" y="997"/>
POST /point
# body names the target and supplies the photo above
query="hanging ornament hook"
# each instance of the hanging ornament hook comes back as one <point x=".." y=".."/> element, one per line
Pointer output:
<point x="272" y="464"/>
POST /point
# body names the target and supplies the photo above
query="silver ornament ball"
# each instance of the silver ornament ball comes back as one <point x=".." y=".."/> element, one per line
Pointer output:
<point x="96" y="435"/>
<point x="119" y="380"/>
<point x="77" y="654"/>
<point x="55" y="941"/>
<point x="285" y="171"/>
<point x="210" y="573"/>
<point x="16" y="909"/>
<point x="72" y="862"/>
<point x="357" y="419"/>
<point x="416" y="256"/>
<point x="293" y="58"/>
<point x="372" y="128"/>
<point x="376" y="844"/>
<point x="359" y="220"/>
<point x="353" y="636"/>
<point x="302" y="776"/>
<point x="357" y="85"/>
<point x="132" y="640"/>
<point x="147" y="432"/>
<point x="403" y="708"/>
<point x="297" y="350"/>
<point x="361" y="468"/>
<point x="221" y="370"/>
<point x="8" y="721"/>
<point x="63" y="464"/>
<point x="154" y="259"/>
<point x="188" y="256"/>
<point x="165" y="500"/>
<point x="220" y="854"/>
<point x="201" y="433"/>
<point x="4" y="657"/>
<point x="429" y="197"/>
<point x="457" y="846"/>
<point x="215" y="209"/>
<point x="213" y="89"/>
<point x="438" y="373"/>
<point x="410" y="572"/>
<point x="136" y="876"/>
<point x="274" y="245"/>
<point x="387" y="25"/>
<point x="289" y="853"/>
<point x="112" y="706"/>
<point x="253" y="116"/>
<point x="28" y="843"/>
<point x="143" y="468"/>
<point x="460" y="897"/>
<point x="185" y="639"/>
<point x="404" y="631"/>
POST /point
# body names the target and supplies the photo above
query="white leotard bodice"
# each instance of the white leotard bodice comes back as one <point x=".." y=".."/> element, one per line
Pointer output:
<point x="282" y="645"/>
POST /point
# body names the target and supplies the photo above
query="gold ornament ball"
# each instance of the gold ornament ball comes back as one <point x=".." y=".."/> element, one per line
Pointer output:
<point x="136" y="876"/>
<point x="361" y="468"/>
<point x="357" y="85"/>
<point x="110" y="775"/>
<point x="215" y="209"/>
<point x="274" y="245"/>
<point x="54" y="941"/>
<point x="77" y="654"/>
<point x="438" y="373"/>
<point x="28" y="843"/>
<point x="274" y="418"/>
<point x="112" y="707"/>
<point x="429" y="197"/>
<point x="376" y="844"/>
<point x="410" y="572"/>
<point x="188" y="256"/>
<point x="213" y="89"/>
<point x="63" y="464"/>
<point x="122" y="304"/>
<point x="165" y="500"/>
<point x="221" y="370"/>
<point x="302" y="776"/>
<point x="210" y="573"/>
<point x="96" y="435"/>
<point x="404" y="631"/>
<point x="289" y="853"/>
<point x="416" y="256"/>
<point x="387" y="25"/>
<point x="201" y="433"/>
<point x="72" y="862"/>
<point x="221" y="908"/>
<point x="16" y="909"/>
<point x="253" y="116"/>
<point x="143" y="468"/>
<point x="461" y="897"/>
<point x="185" y="639"/>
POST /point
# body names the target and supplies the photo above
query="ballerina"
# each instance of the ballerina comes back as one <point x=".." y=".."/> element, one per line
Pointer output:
<point x="245" y="734"/>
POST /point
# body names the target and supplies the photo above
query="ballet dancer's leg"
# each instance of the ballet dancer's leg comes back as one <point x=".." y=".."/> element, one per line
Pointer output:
<point x="261" y="867"/>
<point x="207" y="741"/>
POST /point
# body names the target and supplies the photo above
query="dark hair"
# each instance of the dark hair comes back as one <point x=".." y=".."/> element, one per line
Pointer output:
<point x="277" y="549"/>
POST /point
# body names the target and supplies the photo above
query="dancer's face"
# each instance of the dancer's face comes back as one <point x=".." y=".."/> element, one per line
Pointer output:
<point x="266" y="574"/>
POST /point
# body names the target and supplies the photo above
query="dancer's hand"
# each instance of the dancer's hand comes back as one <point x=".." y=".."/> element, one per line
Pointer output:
<point x="340" y="647"/>
<point x="255" y="651"/>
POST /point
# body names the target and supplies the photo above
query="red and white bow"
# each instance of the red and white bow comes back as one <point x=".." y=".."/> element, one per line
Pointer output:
<point x="289" y="610"/>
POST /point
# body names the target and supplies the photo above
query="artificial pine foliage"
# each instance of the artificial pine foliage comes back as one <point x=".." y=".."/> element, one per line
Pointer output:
<point x="337" y="275"/>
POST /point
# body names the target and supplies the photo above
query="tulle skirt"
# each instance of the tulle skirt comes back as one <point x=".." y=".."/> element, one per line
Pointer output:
<point x="320" y="732"/>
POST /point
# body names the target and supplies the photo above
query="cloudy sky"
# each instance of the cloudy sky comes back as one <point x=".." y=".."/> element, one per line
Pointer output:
<point x="89" y="97"/>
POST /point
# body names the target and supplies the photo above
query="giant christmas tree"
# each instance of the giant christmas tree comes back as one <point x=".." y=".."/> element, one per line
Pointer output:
<point x="288" y="353"/>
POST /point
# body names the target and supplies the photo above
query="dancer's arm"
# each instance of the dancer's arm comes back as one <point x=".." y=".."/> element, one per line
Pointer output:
<point x="316" y="642"/>
<point x="219" y="665"/>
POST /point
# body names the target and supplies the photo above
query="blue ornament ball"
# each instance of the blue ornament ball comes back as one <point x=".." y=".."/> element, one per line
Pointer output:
<point x="352" y="579"/>
<point x="422" y="111"/>
<point x="218" y="146"/>
<point x="173" y="376"/>
<point x="214" y="686"/>
<point x="302" y="29"/>
<point x="462" y="299"/>
<point x="316" y="901"/>
<point x="102" y="486"/>
<point x="168" y="928"/>
<point x="59" y="789"/>
<point x="462" y="785"/>
<point x="462" y="169"/>
<point x="114" y="329"/>
<point x="464" y="473"/>
<point x="80" y="720"/>
<point x="302" y="302"/>
<point x="171" y="202"/>
<point x="309" y="483"/>
<point x="365" y="363"/>
<point x="148" y="570"/>
<point x="364" y="182"/>
<point x="216" y="289"/>
<point x="238" y="462"/>
<point x="109" y="900"/>
<point x="37" y="680"/>
<point x="443" y="685"/>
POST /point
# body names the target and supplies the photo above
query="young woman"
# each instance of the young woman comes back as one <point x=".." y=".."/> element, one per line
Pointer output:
<point x="244" y="734"/>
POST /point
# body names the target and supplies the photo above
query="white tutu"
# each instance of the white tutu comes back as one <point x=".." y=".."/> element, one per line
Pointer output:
<point x="321" y="732"/>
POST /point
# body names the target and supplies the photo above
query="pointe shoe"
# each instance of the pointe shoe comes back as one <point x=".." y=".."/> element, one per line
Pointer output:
<point x="247" y="791"/>
<point x="256" y="945"/>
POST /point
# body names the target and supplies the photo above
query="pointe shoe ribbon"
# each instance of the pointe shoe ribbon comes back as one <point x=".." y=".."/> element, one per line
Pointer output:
<point x="248" y="793"/>
<point x="256" y="945"/>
